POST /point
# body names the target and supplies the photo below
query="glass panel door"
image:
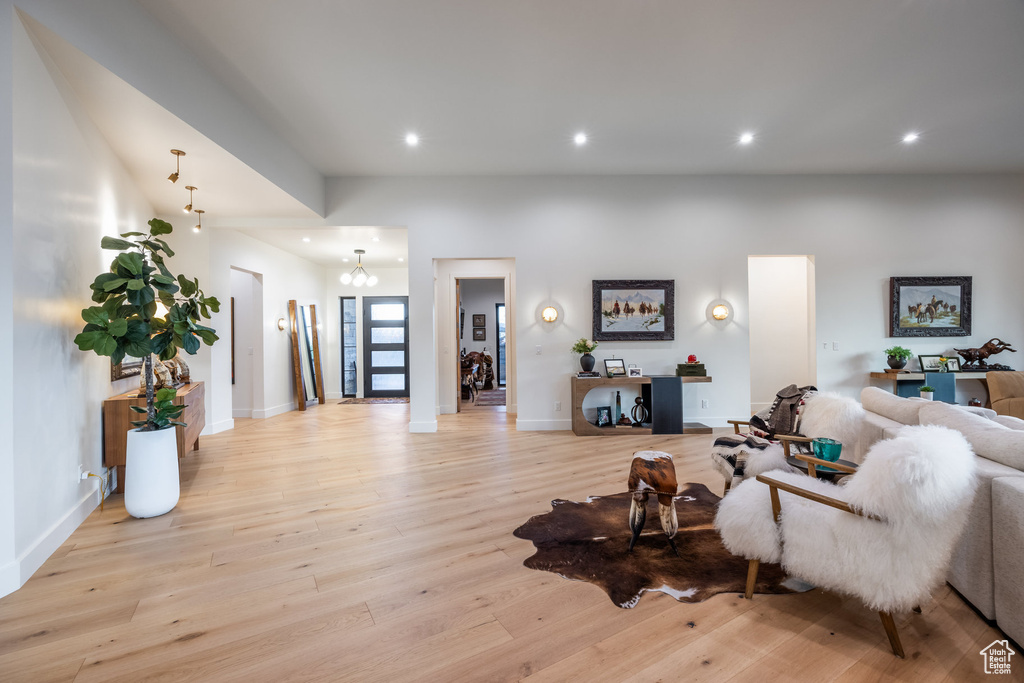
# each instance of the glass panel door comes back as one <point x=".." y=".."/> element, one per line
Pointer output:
<point x="499" y="316"/>
<point x="385" y="346"/>
<point x="349" y="356"/>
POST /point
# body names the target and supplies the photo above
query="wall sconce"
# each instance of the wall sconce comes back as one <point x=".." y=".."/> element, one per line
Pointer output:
<point x="191" y="189"/>
<point x="280" y="324"/>
<point x="177" y="165"/>
<point x="549" y="314"/>
<point x="719" y="312"/>
<point x="198" y="226"/>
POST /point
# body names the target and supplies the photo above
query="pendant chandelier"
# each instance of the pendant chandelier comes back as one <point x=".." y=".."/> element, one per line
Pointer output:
<point x="359" y="276"/>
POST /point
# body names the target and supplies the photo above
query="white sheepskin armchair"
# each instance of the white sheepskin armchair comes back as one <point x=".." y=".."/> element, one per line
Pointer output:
<point x="909" y="502"/>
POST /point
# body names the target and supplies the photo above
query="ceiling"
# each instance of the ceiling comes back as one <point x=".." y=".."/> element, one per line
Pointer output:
<point x="660" y="86"/>
<point x="335" y="246"/>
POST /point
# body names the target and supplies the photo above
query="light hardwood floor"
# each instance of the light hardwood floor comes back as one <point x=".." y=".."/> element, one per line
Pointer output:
<point x="332" y="545"/>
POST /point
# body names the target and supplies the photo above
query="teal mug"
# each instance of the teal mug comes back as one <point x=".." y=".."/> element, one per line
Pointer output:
<point x="827" y="449"/>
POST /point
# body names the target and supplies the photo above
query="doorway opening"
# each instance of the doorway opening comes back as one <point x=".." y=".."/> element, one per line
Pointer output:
<point x="246" y="344"/>
<point x="481" y="342"/>
<point x="783" y="347"/>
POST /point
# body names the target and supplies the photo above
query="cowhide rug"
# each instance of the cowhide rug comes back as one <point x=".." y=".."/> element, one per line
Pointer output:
<point x="588" y="541"/>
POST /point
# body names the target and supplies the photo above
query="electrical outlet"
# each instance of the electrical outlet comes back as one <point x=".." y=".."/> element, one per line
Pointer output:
<point x="558" y="406"/>
<point x="81" y="473"/>
<point x="824" y="346"/>
<point x="538" y="349"/>
<point x="704" y="403"/>
<point x="835" y="346"/>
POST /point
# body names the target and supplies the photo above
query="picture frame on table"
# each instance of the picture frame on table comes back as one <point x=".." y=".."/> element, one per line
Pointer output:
<point x="634" y="310"/>
<point x="953" y="365"/>
<point x="930" y="306"/>
<point x="479" y="333"/>
<point x="931" y="363"/>
<point x="634" y="371"/>
<point x="615" y="367"/>
<point x="479" y="320"/>
<point x="604" y="416"/>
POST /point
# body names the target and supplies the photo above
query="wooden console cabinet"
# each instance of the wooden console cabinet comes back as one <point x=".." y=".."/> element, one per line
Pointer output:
<point x="117" y="418"/>
<point x="663" y="397"/>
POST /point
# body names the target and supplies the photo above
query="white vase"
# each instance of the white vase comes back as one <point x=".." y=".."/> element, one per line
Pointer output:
<point x="151" y="473"/>
<point x="927" y="395"/>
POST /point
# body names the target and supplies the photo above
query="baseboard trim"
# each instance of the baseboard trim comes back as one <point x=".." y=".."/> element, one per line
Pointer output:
<point x="543" y="425"/>
<point x="241" y="413"/>
<point x="334" y="396"/>
<point x="425" y="427"/>
<point x="14" y="574"/>
<point x="218" y="427"/>
<point x="273" y="412"/>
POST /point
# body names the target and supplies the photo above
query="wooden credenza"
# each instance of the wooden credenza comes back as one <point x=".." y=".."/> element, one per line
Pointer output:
<point x="117" y="418"/>
<point x="662" y="395"/>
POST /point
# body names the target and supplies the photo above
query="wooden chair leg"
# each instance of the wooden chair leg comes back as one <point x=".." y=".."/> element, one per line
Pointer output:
<point x="751" y="578"/>
<point x="728" y="485"/>
<point x="894" y="636"/>
<point x="917" y="609"/>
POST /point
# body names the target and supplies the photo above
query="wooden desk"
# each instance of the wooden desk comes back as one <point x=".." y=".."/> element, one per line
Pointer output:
<point x="117" y="417"/>
<point x="662" y="395"/>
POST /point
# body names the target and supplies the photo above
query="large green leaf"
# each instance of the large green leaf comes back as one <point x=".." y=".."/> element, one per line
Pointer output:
<point x="131" y="262"/>
<point x="95" y="315"/>
<point x="102" y="279"/>
<point x="159" y="227"/>
<point x="138" y="330"/>
<point x="137" y="409"/>
<point x="137" y="349"/>
<point x="167" y="248"/>
<point x="117" y="328"/>
<point x="187" y="287"/>
<point x="105" y="345"/>
<point x="190" y="342"/>
<point x="116" y="283"/>
<point x="87" y="340"/>
<point x="166" y="394"/>
<point x="118" y="355"/>
<point x="212" y="302"/>
<point x="208" y="336"/>
<point x="114" y="243"/>
<point x="132" y="234"/>
<point x="136" y="284"/>
<point x="159" y="342"/>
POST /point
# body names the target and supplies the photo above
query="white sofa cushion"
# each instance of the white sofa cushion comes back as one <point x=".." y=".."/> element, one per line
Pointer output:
<point x="1008" y="554"/>
<point x="988" y="438"/>
<point x="1009" y="421"/>
<point x="902" y="410"/>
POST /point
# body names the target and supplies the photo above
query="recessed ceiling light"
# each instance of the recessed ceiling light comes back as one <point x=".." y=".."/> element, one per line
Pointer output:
<point x="344" y="260"/>
<point x="305" y="239"/>
<point x="400" y="259"/>
<point x="911" y="137"/>
<point x="746" y="138"/>
<point x="375" y="239"/>
<point x="580" y="139"/>
<point x="412" y="139"/>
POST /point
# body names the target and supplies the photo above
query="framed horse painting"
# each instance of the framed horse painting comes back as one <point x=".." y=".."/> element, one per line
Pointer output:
<point x="634" y="310"/>
<point x="930" y="306"/>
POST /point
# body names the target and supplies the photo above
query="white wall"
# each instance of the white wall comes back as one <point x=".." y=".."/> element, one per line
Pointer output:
<point x="564" y="232"/>
<point x="390" y="282"/>
<point x="781" y="305"/>
<point x="480" y="297"/>
<point x="68" y="191"/>
<point x="284" y="277"/>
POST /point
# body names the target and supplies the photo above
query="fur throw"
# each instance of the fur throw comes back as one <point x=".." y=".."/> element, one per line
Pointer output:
<point x="920" y="483"/>
<point x="831" y="416"/>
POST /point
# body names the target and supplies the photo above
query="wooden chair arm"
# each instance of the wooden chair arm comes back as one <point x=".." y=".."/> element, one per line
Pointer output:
<point x="736" y="424"/>
<point x="774" y="485"/>
<point x="812" y="461"/>
<point x="786" y="439"/>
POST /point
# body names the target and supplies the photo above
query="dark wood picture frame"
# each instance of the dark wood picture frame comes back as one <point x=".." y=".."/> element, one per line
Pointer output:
<point x="930" y="363"/>
<point x="129" y="367"/>
<point x="921" y="306"/>
<point x="479" y="333"/>
<point x="631" y="325"/>
<point x="479" y="320"/>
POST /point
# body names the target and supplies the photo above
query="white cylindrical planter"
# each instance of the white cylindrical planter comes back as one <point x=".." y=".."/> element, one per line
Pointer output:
<point x="151" y="473"/>
<point x="927" y="395"/>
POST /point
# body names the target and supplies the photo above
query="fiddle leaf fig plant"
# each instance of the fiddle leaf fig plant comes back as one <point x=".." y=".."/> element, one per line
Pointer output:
<point x="126" y="322"/>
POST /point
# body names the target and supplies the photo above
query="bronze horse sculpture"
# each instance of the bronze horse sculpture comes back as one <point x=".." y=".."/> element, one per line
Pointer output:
<point x="979" y="355"/>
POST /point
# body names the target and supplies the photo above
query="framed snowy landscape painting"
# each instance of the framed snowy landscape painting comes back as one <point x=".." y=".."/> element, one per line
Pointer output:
<point x="930" y="306"/>
<point x="634" y="310"/>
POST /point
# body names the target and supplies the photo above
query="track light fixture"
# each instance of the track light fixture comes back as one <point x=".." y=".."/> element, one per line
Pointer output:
<point x="359" y="276"/>
<point x="199" y="226"/>
<point x="191" y="189"/>
<point x="177" y="165"/>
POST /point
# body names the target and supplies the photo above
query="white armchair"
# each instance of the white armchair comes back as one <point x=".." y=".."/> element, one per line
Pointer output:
<point x="886" y="536"/>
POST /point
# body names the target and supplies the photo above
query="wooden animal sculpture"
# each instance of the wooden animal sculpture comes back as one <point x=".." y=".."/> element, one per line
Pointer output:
<point x="991" y="347"/>
<point x="653" y="471"/>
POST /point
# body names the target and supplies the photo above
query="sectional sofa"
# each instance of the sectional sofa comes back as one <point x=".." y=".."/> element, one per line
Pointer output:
<point x="988" y="564"/>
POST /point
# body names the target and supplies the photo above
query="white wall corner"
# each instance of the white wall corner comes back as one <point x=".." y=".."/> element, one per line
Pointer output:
<point x="218" y="427"/>
<point x="423" y="427"/>
<point x="241" y="413"/>
<point x="275" y="411"/>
